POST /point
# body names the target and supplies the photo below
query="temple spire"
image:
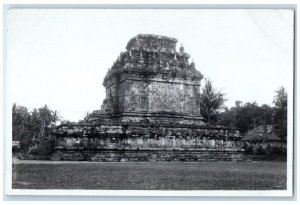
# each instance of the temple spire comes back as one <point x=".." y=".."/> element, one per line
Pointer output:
<point x="192" y="64"/>
<point x="141" y="59"/>
<point x="128" y="57"/>
<point x="167" y="66"/>
<point x="181" y="49"/>
<point x="137" y="41"/>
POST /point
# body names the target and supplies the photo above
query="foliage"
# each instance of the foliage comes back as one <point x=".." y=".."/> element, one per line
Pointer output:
<point x="21" y="127"/>
<point x="211" y="101"/>
<point x="247" y="116"/>
<point x="67" y="122"/>
<point x="32" y="127"/>
<point x="250" y="115"/>
<point x="227" y="117"/>
<point x="280" y="117"/>
<point x="20" y="121"/>
<point x="45" y="148"/>
<point x="15" y="149"/>
<point x="269" y="151"/>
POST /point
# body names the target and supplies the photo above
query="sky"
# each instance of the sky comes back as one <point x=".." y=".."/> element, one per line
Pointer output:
<point x="60" y="57"/>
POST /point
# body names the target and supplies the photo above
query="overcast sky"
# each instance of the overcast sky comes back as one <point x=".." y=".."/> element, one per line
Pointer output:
<point x="60" y="57"/>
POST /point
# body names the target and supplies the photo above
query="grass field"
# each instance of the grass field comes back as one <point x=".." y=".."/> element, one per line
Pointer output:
<point x="148" y="176"/>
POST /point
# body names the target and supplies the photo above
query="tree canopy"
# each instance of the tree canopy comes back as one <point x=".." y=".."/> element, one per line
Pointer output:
<point x="31" y="127"/>
<point x="249" y="115"/>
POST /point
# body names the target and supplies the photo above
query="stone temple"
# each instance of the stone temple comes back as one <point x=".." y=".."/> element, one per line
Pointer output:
<point x="151" y="112"/>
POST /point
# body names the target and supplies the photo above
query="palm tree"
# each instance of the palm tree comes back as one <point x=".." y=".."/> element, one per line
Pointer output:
<point x="211" y="101"/>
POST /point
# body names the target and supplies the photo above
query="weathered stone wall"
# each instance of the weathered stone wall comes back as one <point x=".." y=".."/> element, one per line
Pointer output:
<point x="159" y="96"/>
<point x="146" y="142"/>
<point x="116" y="141"/>
<point x="146" y="136"/>
<point x="151" y="77"/>
<point x="150" y="155"/>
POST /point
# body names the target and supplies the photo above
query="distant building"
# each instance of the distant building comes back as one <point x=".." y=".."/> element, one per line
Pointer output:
<point x="264" y="136"/>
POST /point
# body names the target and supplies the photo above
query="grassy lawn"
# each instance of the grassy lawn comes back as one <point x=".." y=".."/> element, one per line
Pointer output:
<point x="148" y="176"/>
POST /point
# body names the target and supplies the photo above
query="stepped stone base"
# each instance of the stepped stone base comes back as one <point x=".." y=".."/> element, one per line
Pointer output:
<point x="148" y="155"/>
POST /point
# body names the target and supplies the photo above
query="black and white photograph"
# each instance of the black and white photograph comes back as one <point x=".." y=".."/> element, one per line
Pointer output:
<point x="130" y="101"/>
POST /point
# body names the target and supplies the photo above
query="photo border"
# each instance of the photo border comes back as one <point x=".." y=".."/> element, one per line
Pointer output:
<point x="291" y="153"/>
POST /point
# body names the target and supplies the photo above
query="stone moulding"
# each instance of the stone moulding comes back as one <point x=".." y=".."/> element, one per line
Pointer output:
<point x="175" y="141"/>
<point x="114" y="155"/>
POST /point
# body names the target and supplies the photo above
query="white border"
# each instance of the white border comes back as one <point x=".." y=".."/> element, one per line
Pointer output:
<point x="64" y="192"/>
<point x="213" y="193"/>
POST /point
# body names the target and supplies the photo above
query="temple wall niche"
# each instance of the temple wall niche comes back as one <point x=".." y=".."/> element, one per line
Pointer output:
<point x="131" y="95"/>
<point x="173" y="97"/>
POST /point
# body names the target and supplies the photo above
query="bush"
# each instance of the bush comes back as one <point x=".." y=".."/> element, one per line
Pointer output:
<point x="260" y="150"/>
<point x="25" y="145"/>
<point x="279" y="150"/>
<point x="248" y="148"/>
<point x="16" y="150"/>
<point x="45" y="148"/>
<point x="269" y="149"/>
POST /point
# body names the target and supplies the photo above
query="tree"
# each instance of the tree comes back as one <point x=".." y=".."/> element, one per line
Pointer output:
<point x="19" y="119"/>
<point x="20" y="125"/>
<point x="31" y="127"/>
<point x="280" y="116"/>
<point x="246" y="117"/>
<point x="267" y="113"/>
<point x="211" y="101"/>
<point x="46" y="120"/>
<point x="228" y="117"/>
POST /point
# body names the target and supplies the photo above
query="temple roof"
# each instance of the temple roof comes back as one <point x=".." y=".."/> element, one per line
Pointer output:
<point x="152" y="55"/>
<point x="152" y="41"/>
<point x="261" y="134"/>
